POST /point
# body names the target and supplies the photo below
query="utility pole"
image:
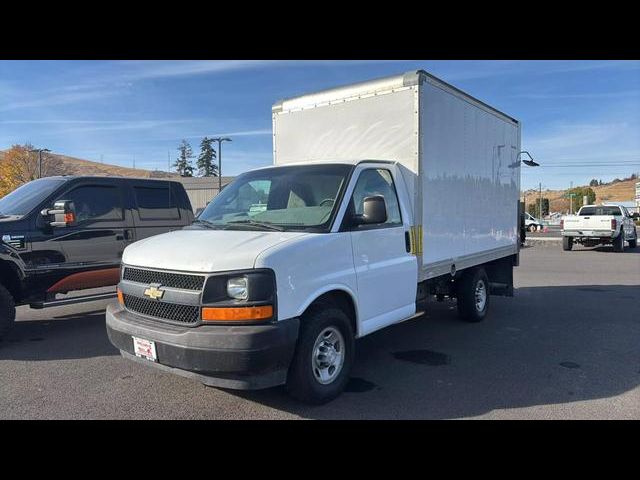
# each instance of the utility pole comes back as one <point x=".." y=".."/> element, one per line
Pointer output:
<point x="39" y="150"/>
<point x="134" y="162"/>
<point x="571" y="195"/>
<point x="220" y="140"/>
<point x="540" y="211"/>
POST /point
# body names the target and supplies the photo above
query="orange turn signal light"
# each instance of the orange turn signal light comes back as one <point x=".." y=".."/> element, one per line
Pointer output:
<point x="236" y="314"/>
<point x="69" y="218"/>
<point x="120" y="297"/>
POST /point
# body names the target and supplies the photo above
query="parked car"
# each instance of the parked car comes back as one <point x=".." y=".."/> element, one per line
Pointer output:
<point x="358" y="223"/>
<point x="531" y="222"/>
<point x="600" y="225"/>
<point x="61" y="234"/>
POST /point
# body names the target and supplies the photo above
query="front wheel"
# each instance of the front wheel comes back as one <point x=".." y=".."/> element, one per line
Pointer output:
<point x="533" y="228"/>
<point x="7" y="311"/>
<point x="323" y="358"/>
<point x="473" y="295"/>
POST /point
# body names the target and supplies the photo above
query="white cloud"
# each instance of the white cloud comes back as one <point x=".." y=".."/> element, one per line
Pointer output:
<point x="241" y="133"/>
<point x="583" y="96"/>
<point x="567" y="137"/>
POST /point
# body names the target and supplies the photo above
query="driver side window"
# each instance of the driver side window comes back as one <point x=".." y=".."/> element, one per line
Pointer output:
<point x="377" y="181"/>
<point x="96" y="202"/>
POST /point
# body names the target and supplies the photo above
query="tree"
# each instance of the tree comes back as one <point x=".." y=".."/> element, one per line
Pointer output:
<point x="534" y="208"/>
<point x="594" y="183"/>
<point x="18" y="166"/>
<point x="205" y="163"/>
<point x="578" y="194"/>
<point x="183" y="163"/>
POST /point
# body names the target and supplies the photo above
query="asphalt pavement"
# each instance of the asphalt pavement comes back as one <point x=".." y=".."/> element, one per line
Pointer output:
<point x="566" y="346"/>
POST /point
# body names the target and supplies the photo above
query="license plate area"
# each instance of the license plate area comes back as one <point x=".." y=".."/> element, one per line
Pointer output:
<point x="145" y="349"/>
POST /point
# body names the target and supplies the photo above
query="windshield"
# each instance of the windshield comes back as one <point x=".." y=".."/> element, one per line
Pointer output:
<point x="596" y="211"/>
<point x="299" y="198"/>
<point x="25" y="198"/>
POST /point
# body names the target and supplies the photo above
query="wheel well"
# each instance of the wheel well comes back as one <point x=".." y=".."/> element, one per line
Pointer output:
<point x="341" y="300"/>
<point x="9" y="279"/>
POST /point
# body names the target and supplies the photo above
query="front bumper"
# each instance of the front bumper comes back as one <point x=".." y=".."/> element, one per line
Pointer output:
<point x="237" y="357"/>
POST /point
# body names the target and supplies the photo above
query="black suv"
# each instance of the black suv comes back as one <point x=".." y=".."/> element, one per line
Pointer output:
<point x="61" y="234"/>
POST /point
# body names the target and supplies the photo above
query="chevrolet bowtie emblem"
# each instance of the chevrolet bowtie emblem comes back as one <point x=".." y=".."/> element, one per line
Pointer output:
<point x="154" y="292"/>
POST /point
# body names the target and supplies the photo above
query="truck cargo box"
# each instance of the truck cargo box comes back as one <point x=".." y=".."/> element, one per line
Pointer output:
<point x="459" y="158"/>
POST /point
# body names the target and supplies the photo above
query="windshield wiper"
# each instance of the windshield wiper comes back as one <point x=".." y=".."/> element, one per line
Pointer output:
<point x="267" y="225"/>
<point x="206" y="223"/>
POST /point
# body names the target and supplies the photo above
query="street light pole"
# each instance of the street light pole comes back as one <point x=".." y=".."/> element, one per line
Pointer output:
<point x="39" y="150"/>
<point x="220" y="140"/>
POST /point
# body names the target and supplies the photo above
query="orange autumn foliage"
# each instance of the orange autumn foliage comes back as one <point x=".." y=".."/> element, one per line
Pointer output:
<point x="19" y="166"/>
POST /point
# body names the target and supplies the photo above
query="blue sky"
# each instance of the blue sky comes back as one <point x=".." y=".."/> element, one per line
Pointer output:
<point x="581" y="119"/>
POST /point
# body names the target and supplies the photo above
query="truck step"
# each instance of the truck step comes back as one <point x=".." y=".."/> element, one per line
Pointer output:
<point x="72" y="301"/>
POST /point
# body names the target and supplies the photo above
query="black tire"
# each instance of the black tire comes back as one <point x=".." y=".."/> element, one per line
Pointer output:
<point x="618" y="242"/>
<point x="468" y="308"/>
<point x="634" y="243"/>
<point x="302" y="383"/>
<point x="7" y="311"/>
<point x="567" y="243"/>
<point x="533" y="228"/>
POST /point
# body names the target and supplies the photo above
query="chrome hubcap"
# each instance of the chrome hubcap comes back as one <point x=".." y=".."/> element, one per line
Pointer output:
<point x="328" y="355"/>
<point x="481" y="295"/>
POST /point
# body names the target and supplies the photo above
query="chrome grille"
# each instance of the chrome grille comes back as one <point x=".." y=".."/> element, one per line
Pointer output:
<point x="186" y="314"/>
<point x="166" y="279"/>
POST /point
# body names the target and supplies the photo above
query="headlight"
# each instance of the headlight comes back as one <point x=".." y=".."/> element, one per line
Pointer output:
<point x="254" y="286"/>
<point x="238" y="288"/>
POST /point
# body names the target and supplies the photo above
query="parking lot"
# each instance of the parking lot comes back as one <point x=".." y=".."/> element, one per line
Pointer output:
<point x="566" y="346"/>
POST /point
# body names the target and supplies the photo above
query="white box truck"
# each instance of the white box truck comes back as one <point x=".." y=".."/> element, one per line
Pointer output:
<point x="383" y="195"/>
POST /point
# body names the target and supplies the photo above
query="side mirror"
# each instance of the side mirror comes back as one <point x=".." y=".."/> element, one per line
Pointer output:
<point x="374" y="211"/>
<point x="635" y="215"/>
<point x="64" y="213"/>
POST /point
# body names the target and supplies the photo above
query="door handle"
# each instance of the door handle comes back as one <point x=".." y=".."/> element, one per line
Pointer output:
<point x="407" y="241"/>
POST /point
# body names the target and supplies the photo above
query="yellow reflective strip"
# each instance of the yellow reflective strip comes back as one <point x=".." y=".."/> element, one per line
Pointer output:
<point x="415" y="237"/>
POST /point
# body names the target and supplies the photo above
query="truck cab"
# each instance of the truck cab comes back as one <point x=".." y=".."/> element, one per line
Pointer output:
<point x="68" y="233"/>
<point x="357" y="225"/>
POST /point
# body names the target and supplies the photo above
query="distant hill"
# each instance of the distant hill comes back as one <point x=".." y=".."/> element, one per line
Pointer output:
<point x="622" y="191"/>
<point x="78" y="166"/>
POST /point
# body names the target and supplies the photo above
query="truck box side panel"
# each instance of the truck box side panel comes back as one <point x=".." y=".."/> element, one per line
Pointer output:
<point x="470" y="182"/>
<point x="376" y="127"/>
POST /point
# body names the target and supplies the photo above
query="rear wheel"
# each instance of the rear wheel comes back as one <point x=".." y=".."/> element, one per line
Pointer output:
<point x="633" y="243"/>
<point x="567" y="243"/>
<point x="324" y="355"/>
<point x="618" y="242"/>
<point x="473" y="295"/>
<point x="7" y="311"/>
<point x="533" y="228"/>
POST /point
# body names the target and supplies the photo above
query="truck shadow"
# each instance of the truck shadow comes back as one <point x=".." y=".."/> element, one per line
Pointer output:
<point x="74" y="336"/>
<point x="606" y="249"/>
<point x="549" y="345"/>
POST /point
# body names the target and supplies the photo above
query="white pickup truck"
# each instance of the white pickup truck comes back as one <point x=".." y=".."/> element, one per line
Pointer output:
<point x="600" y="225"/>
<point x="363" y="217"/>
